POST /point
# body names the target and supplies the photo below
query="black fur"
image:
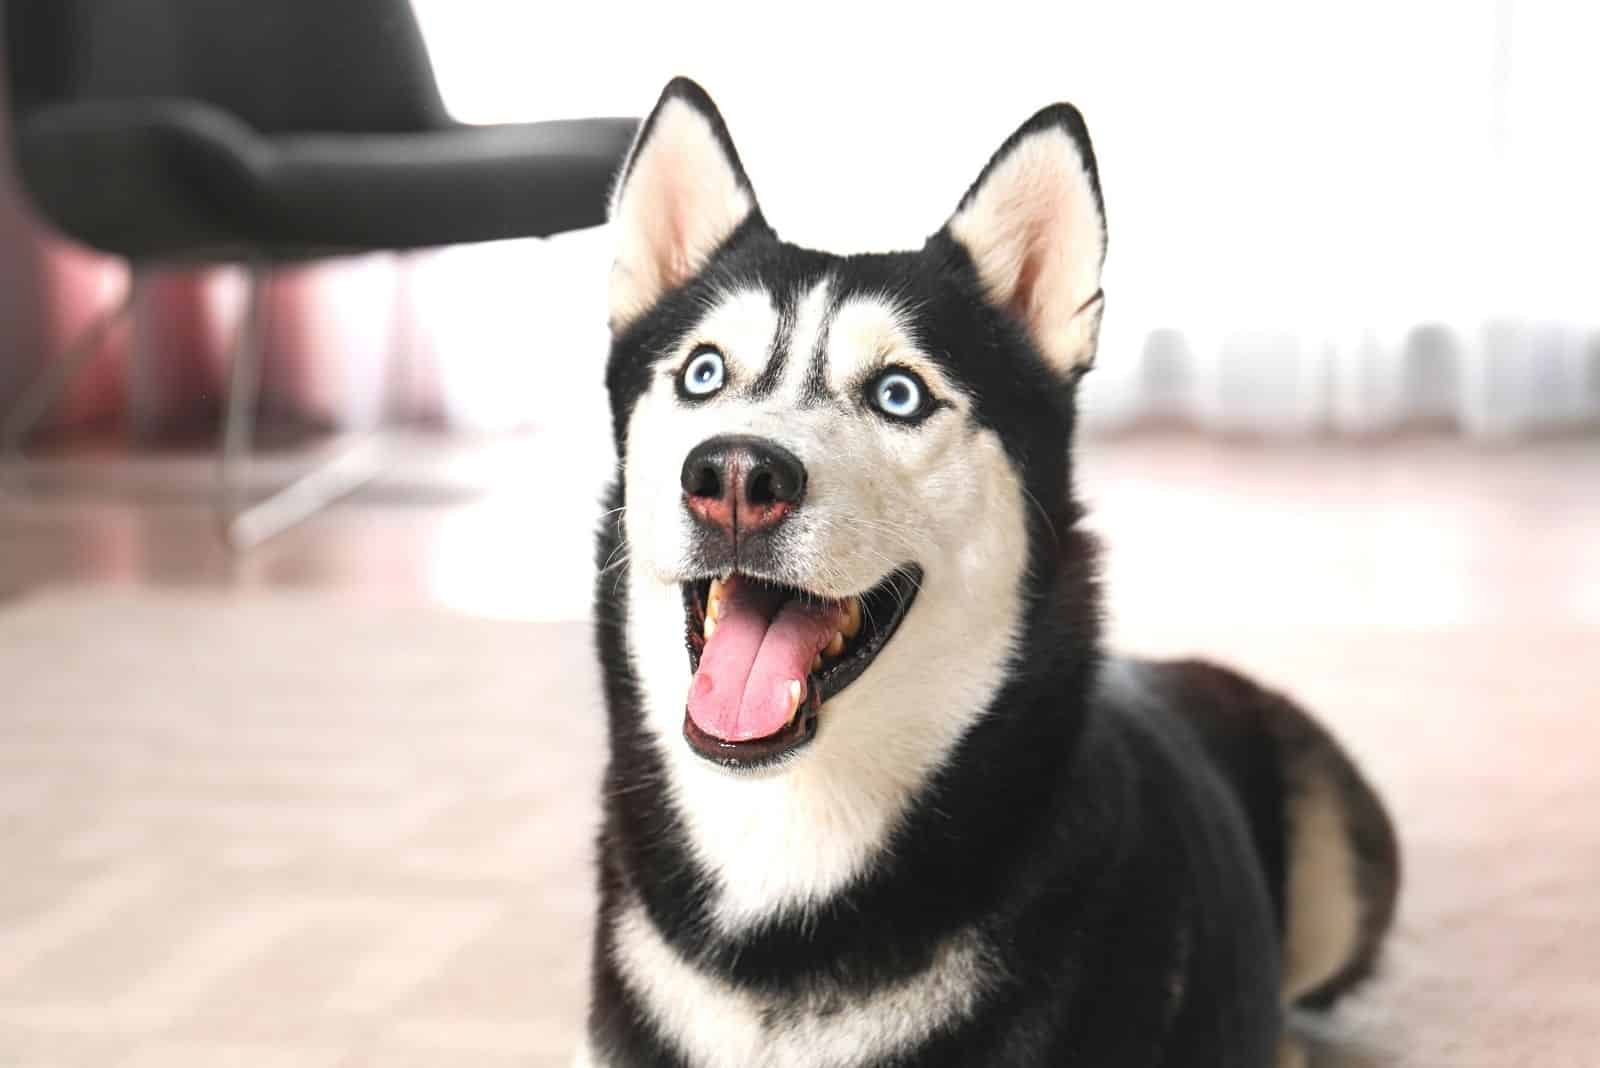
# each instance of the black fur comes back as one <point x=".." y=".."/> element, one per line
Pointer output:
<point x="1115" y="835"/>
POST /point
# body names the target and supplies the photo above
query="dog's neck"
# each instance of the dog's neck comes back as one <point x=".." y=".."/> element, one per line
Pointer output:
<point x="745" y="851"/>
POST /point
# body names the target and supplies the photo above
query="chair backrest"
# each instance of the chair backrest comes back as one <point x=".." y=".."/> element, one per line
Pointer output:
<point x="279" y="65"/>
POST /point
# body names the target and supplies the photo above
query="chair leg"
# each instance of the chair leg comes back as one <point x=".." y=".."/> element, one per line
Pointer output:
<point x="244" y="383"/>
<point x="48" y="386"/>
<point x="245" y="526"/>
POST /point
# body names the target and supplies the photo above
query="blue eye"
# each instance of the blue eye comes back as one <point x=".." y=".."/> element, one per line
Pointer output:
<point x="705" y="373"/>
<point x="899" y="395"/>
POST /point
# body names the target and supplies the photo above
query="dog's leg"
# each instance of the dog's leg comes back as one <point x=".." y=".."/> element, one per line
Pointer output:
<point x="1330" y="853"/>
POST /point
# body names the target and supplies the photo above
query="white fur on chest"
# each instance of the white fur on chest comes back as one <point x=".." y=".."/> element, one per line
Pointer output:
<point x="716" y="1025"/>
<point x="783" y="843"/>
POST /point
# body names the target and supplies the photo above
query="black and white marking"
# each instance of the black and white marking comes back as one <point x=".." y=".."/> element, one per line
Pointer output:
<point x="1001" y="846"/>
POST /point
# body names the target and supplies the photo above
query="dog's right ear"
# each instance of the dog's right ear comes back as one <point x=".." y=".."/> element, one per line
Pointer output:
<point x="681" y="195"/>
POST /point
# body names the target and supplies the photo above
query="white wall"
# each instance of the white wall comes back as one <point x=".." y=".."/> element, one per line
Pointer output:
<point x="1275" y="173"/>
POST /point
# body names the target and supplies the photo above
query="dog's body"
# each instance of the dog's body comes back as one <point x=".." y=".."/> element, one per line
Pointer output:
<point x="914" y="815"/>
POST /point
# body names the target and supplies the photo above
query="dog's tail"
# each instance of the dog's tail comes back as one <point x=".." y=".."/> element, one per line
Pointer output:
<point x="1329" y="849"/>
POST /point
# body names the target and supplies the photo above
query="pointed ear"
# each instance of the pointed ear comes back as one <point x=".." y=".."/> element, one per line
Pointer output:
<point x="682" y="194"/>
<point x="1035" y="228"/>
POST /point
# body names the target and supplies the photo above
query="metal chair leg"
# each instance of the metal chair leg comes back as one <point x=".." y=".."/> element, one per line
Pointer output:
<point x="246" y="526"/>
<point x="244" y="383"/>
<point x="48" y="386"/>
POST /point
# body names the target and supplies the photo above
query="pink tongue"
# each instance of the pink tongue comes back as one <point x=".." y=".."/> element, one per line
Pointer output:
<point x="741" y="689"/>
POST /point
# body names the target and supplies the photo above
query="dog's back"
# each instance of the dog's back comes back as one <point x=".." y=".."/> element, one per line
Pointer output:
<point x="1326" y="846"/>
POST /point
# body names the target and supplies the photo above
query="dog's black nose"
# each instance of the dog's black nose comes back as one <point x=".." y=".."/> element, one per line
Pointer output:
<point x="742" y="483"/>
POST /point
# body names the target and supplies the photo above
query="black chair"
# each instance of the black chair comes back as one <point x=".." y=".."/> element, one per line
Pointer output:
<point x="178" y="133"/>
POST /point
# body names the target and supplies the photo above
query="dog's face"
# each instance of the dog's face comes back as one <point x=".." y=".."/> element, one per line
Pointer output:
<point x="838" y="471"/>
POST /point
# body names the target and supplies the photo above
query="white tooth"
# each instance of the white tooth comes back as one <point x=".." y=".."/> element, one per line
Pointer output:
<point x="797" y="691"/>
<point x="835" y="645"/>
<point x="816" y="662"/>
<point x="852" y="618"/>
<point x="710" y="627"/>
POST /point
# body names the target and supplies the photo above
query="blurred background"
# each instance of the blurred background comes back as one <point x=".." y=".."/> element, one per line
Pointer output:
<point x="301" y="342"/>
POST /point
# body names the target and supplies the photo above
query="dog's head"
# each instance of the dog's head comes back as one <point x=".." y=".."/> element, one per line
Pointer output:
<point x="841" y="475"/>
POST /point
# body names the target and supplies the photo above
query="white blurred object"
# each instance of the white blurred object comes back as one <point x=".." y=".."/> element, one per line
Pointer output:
<point x="1349" y="217"/>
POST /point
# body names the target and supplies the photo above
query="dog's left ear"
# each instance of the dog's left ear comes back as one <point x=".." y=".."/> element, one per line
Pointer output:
<point x="1035" y="227"/>
<point x="682" y="194"/>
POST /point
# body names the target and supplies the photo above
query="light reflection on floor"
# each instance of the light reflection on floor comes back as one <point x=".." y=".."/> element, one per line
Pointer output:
<point x="1419" y="532"/>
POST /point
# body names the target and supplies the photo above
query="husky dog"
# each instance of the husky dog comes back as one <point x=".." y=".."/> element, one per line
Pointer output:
<point x="876" y="794"/>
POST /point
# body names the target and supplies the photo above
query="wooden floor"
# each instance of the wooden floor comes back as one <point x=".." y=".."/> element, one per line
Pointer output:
<point x="296" y="807"/>
<point x="1426" y="531"/>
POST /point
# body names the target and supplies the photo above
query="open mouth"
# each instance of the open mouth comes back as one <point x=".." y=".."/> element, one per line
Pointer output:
<point x="766" y="659"/>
